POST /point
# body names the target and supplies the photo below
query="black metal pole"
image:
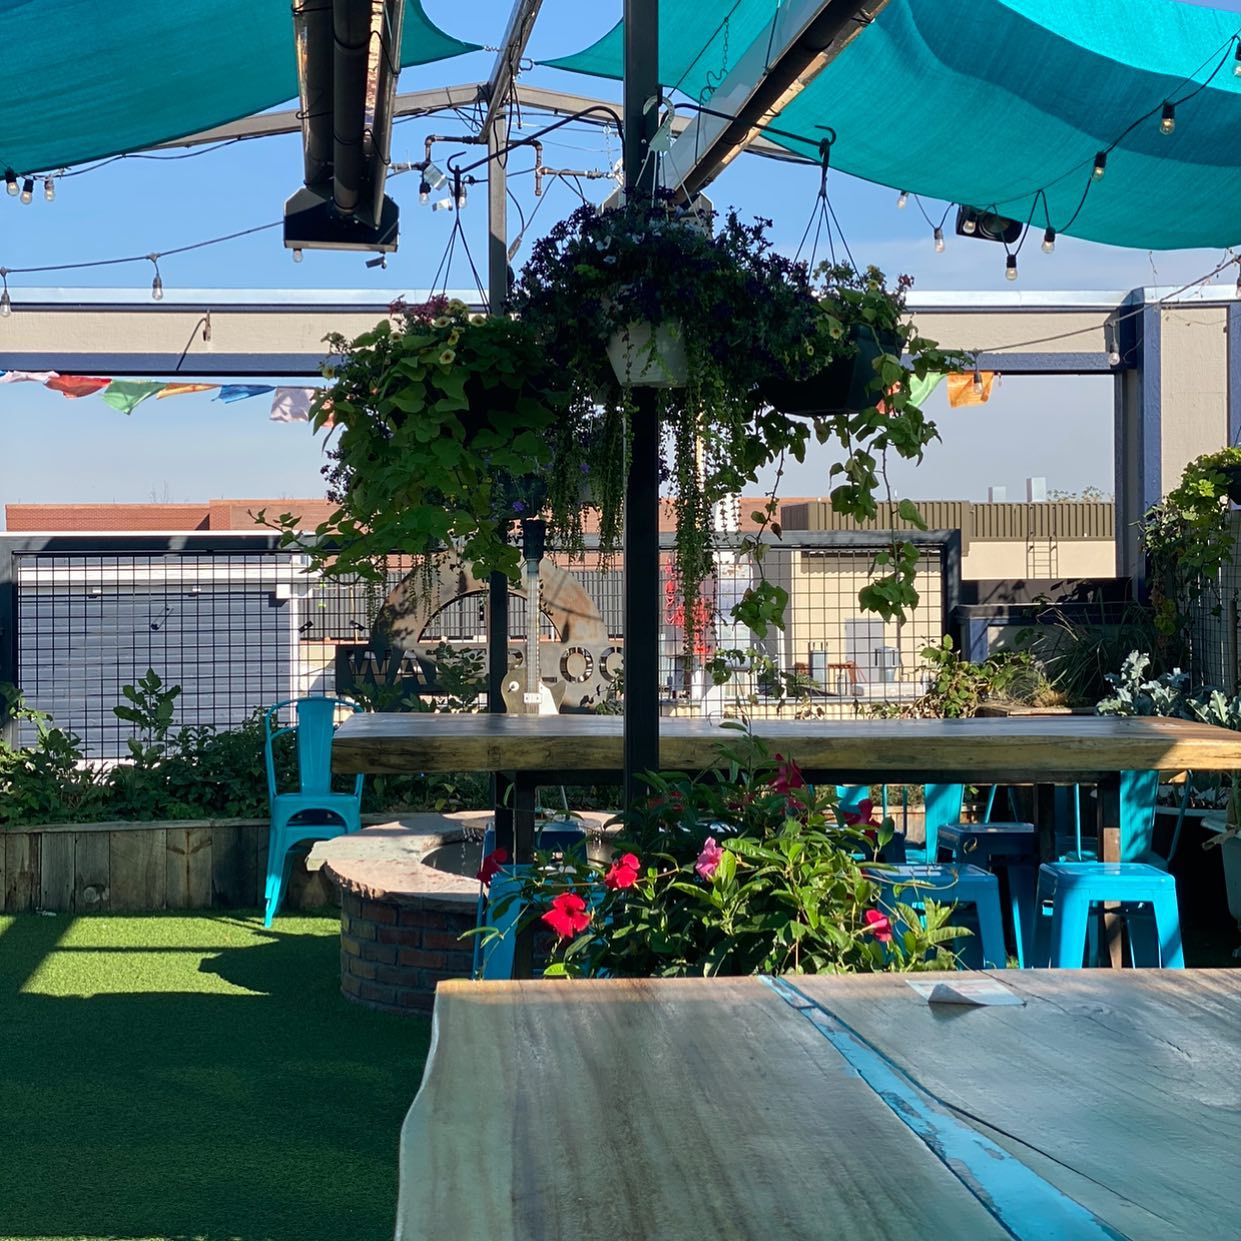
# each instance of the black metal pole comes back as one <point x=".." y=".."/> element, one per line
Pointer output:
<point x="642" y="591"/>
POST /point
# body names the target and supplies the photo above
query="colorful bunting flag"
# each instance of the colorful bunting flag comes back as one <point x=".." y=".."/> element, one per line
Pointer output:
<point x="292" y="404"/>
<point x="127" y="394"/>
<point x="77" y="385"/>
<point x="16" y="377"/>
<point x="921" y="387"/>
<point x="183" y="390"/>
<point x="238" y="392"/>
<point x="966" y="390"/>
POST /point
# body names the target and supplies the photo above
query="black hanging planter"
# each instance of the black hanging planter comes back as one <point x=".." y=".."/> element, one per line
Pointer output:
<point x="845" y="385"/>
<point x="1232" y="475"/>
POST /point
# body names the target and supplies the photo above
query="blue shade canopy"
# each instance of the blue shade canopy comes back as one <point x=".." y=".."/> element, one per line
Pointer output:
<point x="84" y="79"/>
<point x="989" y="102"/>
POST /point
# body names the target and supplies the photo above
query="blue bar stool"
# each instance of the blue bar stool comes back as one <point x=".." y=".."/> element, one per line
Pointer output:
<point x="1010" y="852"/>
<point x="962" y="885"/>
<point x="1074" y="888"/>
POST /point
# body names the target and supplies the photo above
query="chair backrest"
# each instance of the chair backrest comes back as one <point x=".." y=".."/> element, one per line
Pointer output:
<point x="315" y="726"/>
<point x="943" y="806"/>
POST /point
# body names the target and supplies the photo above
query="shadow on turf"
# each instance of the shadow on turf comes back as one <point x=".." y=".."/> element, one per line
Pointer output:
<point x="267" y="1116"/>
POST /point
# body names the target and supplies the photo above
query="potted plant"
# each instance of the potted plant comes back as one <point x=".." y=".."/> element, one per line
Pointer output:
<point x="1188" y="538"/>
<point x="446" y="426"/>
<point x="651" y="294"/>
<point x="862" y="336"/>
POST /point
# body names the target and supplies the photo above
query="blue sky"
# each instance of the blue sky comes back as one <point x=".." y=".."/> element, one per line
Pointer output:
<point x="191" y="448"/>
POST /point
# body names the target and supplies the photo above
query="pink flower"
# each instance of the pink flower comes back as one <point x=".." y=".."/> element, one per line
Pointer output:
<point x="493" y="863"/>
<point x="788" y="775"/>
<point x="568" y="915"/>
<point x="709" y="858"/>
<point x="879" y="925"/>
<point x="863" y="816"/>
<point x="624" y="872"/>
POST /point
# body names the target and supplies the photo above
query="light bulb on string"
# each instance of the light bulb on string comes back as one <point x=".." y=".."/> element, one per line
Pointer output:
<point x="902" y="200"/>
<point x="978" y="388"/>
<point x="970" y="224"/>
<point x="10" y="182"/>
<point x="28" y="191"/>
<point x="1113" y="356"/>
<point x="6" y="302"/>
<point x="297" y="255"/>
<point x="424" y="191"/>
<point x="49" y="189"/>
<point x="1167" y="122"/>
<point x="157" y="285"/>
<point x="1010" y="267"/>
<point x="461" y="194"/>
<point x="1049" y="240"/>
<point x="1100" y="165"/>
<point x="1236" y="68"/>
<point x="939" y="240"/>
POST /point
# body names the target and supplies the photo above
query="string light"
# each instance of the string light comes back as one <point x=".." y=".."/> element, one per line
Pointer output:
<point x="1100" y="166"/>
<point x="1237" y="66"/>
<point x="1010" y="267"/>
<point x="902" y="200"/>
<point x="157" y="285"/>
<point x="1167" y="122"/>
<point x="49" y="189"/>
<point x="424" y="190"/>
<point x="970" y="224"/>
<point x="978" y="388"/>
<point x="10" y="182"/>
<point x="28" y="191"/>
<point x="1049" y="240"/>
<point x="939" y="240"/>
<point x="298" y="256"/>
<point x="6" y="302"/>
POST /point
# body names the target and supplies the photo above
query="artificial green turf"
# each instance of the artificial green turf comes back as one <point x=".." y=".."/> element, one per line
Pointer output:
<point x="194" y="1078"/>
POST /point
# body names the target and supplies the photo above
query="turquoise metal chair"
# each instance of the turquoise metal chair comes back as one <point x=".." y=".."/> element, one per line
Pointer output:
<point x="493" y="960"/>
<point x="943" y="806"/>
<point x="1076" y="889"/>
<point x="299" y="817"/>
<point x="950" y="885"/>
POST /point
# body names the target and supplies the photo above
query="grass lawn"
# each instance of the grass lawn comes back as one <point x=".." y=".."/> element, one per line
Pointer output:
<point x="194" y="1077"/>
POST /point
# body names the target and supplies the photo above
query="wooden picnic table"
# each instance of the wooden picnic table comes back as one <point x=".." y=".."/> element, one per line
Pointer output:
<point x="1109" y="1105"/>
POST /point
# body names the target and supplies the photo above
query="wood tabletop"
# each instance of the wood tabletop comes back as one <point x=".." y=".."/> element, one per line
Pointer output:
<point x="1109" y="1105"/>
<point x="1069" y="748"/>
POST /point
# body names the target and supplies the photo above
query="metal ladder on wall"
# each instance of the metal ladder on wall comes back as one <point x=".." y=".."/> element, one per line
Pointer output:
<point x="1042" y="554"/>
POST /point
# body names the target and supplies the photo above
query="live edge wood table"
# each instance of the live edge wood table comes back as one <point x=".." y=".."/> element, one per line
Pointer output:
<point x="1109" y="1105"/>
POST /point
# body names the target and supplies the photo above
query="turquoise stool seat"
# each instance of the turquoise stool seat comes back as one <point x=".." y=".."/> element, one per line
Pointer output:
<point x="314" y="812"/>
<point x="1075" y="888"/>
<point x="493" y="960"/>
<point x="943" y="804"/>
<point x="1010" y="852"/>
<point x="961" y="885"/>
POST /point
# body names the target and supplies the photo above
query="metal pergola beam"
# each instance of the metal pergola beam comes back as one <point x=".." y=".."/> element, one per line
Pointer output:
<point x="512" y="47"/>
<point x="805" y="37"/>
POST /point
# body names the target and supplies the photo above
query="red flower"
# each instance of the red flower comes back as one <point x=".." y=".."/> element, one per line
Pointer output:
<point x="863" y="816"/>
<point x="493" y="863"/>
<point x="624" y="872"/>
<point x="788" y="776"/>
<point x="879" y="925"/>
<point x="568" y="915"/>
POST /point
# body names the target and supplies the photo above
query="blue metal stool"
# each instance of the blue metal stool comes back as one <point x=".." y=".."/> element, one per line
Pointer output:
<point x="963" y="885"/>
<point x="1010" y="852"/>
<point x="1073" y="888"/>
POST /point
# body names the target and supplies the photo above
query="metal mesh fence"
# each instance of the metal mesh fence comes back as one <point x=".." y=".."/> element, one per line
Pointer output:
<point x="1215" y="624"/>
<point x="242" y="625"/>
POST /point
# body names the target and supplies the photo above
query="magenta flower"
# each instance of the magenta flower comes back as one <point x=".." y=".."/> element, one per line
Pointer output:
<point x="708" y="859"/>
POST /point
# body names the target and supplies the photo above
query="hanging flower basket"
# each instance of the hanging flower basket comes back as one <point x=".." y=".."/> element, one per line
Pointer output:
<point x="646" y="357"/>
<point x="846" y="384"/>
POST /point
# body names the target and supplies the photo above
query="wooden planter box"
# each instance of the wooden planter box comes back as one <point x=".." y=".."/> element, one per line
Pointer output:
<point x="132" y="867"/>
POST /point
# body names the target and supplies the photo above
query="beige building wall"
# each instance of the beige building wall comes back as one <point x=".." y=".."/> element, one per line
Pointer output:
<point x="1193" y="350"/>
<point x="1005" y="561"/>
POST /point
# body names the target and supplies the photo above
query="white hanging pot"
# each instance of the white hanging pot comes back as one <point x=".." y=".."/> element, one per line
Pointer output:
<point x="643" y="357"/>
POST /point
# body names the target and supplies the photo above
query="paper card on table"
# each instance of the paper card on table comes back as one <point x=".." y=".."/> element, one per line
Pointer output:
<point x="971" y="992"/>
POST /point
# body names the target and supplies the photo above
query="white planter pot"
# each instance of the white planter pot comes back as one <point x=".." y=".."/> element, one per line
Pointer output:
<point x="1230" y="851"/>
<point x="637" y="365"/>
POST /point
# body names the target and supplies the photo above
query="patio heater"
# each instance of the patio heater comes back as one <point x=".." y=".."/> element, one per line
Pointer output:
<point x="348" y="59"/>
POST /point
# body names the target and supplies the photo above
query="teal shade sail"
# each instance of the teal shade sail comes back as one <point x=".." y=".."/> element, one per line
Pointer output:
<point x="85" y="80"/>
<point x="1003" y="104"/>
